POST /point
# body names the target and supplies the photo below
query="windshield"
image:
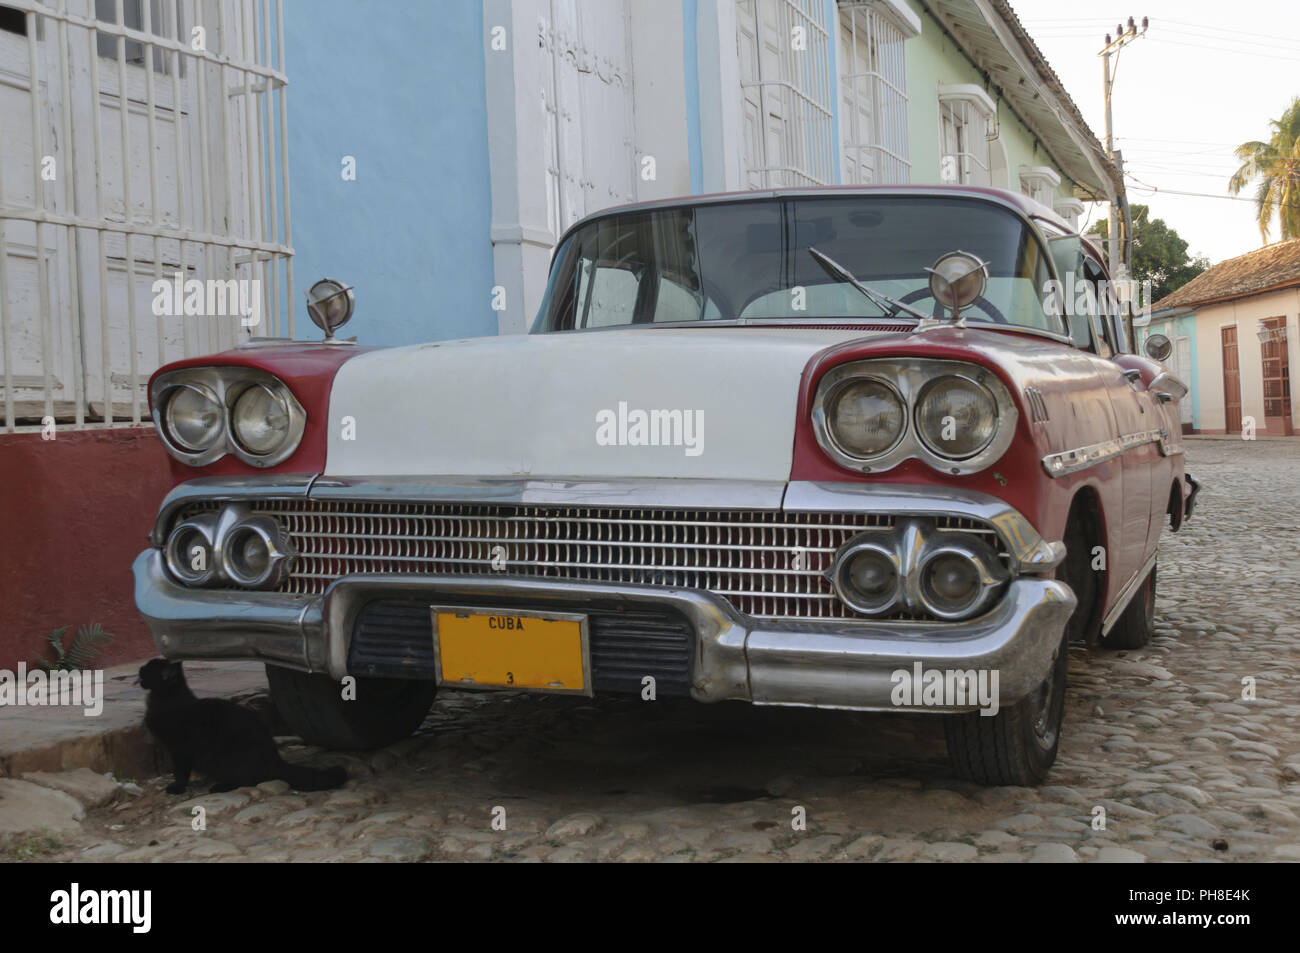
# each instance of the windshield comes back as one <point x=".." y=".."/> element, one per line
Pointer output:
<point x="751" y="259"/>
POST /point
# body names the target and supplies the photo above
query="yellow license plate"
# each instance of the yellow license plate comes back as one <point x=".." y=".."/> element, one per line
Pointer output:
<point x="502" y="648"/>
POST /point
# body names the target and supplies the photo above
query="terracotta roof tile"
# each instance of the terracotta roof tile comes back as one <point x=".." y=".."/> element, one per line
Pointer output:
<point x="1276" y="265"/>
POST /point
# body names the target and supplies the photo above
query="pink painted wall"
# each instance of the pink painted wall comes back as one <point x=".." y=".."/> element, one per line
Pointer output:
<point x="74" y="513"/>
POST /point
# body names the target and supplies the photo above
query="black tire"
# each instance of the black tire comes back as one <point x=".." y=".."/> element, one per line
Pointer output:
<point x="385" y="710"/>
<point x="1018" y="744"/>
<point x="1136" y="626"/>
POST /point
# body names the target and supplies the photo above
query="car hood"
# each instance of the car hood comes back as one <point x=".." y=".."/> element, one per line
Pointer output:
<point x="650" y="403"/>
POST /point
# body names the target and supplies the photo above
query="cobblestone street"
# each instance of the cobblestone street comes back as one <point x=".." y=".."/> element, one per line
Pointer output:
<point x="1159" y="743"/>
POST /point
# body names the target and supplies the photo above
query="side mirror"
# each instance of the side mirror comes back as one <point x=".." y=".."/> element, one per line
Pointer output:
<point x="1158" y="347"/>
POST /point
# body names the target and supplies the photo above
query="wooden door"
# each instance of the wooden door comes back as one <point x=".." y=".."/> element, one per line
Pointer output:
<point x="1231" y="380"/>
<point x="1183" y="361"/>
<point x="1277" y="378"/>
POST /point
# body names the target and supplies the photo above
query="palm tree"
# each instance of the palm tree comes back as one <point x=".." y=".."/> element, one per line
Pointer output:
<point x="1276" y="164"/>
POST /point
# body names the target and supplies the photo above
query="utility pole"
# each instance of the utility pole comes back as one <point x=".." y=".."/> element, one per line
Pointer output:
<point x="1124" y="35"/>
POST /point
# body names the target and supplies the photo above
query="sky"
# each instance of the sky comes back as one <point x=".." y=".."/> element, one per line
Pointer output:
<point x="1206" y="77"/>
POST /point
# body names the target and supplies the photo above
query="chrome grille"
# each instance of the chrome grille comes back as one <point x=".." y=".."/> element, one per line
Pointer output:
<point x="767" y="564"/>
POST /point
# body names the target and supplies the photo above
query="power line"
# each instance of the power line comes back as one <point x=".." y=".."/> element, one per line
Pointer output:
<point x="1213" y="37"/>
<point x="1218" y="29"/>
<point x="1155" y="189"/>
<point x="1194" y="142"/>
<point x="1224" y="49"/>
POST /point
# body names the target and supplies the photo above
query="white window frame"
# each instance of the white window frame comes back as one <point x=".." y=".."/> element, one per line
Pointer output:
<point x="793" y="90"/>
<point x="873" y="90"/>
<point x="1039" y="182"/>
<point x="968" y="122"/>
<point x="216" y="207"/>
<point x="1070" y="210"/>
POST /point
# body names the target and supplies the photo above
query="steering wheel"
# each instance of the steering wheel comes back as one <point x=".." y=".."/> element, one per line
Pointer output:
<point x="983" y="303"/>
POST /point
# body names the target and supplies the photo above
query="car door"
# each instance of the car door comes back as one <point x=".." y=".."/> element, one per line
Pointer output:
<point x="1137" y="417"/>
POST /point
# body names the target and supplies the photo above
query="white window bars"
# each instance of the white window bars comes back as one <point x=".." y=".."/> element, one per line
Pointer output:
<point x="786" y="89"/>
<point x="968" y="122"/>
<point x="873" y="89"/>
<point x="113" y="220"/>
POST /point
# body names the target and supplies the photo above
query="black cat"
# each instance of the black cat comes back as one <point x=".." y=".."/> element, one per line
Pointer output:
<point x="222" y="741"/>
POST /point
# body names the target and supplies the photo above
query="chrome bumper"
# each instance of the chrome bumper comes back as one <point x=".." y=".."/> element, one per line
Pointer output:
<point x="823" y="665"/>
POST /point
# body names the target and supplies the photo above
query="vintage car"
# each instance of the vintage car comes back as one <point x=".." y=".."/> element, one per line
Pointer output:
<point x="868" y="449"/>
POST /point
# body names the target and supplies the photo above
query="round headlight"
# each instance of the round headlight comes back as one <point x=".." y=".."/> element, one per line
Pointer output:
<point x="189" y="553"/>
<point x="956" y="417"/>
<point x="951" y="581"/>
<point x="193" y="419"/>
<point x="260" y="420"/>
<point x="865" y="417"/>
<point x="865" y="576"/>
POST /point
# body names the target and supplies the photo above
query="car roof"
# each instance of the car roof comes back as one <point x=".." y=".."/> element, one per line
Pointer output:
<point x="1023" y="204"/>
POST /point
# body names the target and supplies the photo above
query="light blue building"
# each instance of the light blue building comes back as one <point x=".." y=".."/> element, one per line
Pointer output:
<point x="437" y="150"/>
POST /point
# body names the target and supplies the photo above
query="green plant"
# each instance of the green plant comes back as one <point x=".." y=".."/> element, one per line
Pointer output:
<point x="89" y="642"/>
<point x="29" y="846"/>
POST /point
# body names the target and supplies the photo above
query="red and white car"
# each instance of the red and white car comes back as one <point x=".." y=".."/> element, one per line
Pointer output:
<point x="867" y="449"/>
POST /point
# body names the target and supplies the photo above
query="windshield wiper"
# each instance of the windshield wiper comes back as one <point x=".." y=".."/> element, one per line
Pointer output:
<point x="889" y="305"/>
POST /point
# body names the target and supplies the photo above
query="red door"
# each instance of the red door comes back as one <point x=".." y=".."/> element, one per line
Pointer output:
<point x="1231" y="381"/>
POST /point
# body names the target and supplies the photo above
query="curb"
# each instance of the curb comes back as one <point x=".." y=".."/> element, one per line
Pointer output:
<point x="55" y="740"/>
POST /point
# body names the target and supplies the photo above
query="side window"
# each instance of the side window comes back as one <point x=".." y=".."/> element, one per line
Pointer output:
<point x="1099" y="304"/>
<point x="606" y="296"/>
<point x="1081" y="331"/>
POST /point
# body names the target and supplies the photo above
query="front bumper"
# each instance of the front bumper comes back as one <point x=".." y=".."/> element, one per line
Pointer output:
<point x="734" y="657"/>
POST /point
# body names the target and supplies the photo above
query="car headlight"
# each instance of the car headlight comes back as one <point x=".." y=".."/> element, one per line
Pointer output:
<point x="259" y="420"/>
<point x="956" y="417"/>
<point x="204" y="413"/>
<point x="193" y="418"/>
<point x="865" y="416"/>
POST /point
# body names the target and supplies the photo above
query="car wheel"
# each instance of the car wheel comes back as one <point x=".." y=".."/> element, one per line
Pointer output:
<point x="1136" y="626"/>
<point x="1018" y="744"/>
<point x="384" y="710"/>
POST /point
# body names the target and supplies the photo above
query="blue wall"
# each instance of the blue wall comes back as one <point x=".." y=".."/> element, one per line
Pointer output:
<point x="399" y="86"/>
<point x="1181" y="326"/>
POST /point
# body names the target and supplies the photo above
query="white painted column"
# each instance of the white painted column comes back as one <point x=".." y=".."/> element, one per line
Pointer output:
<point x="522" y="235"/>
<point x="721" y="136"/>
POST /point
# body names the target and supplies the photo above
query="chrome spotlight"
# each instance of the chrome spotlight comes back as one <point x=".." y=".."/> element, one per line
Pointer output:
<point x="330" y="305"/>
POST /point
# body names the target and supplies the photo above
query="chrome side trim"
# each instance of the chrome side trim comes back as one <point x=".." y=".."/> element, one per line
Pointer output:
<point x="1037" y="405"/>
<point x="1029" y="552"/>
<point x="1126" y="595"/>
<point x="1072" y="461"/>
